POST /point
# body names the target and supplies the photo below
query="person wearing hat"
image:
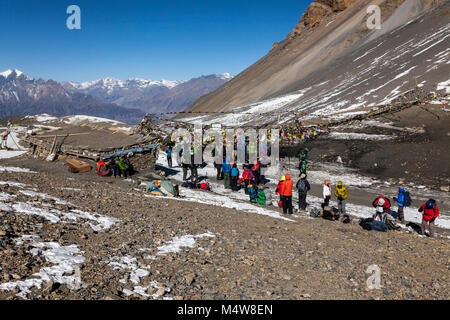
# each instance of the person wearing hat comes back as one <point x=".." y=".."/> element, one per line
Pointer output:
<point x="430" y="212"/>
<point x="326" y="193"/>
<point x="303" y="187"/>
<point x="341" y="193"/>
<point x="286" y="192"/>
<point x="383" y="207"/>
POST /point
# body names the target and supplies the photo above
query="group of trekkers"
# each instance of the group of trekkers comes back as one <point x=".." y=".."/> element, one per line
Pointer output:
<point x="119" y="166"/>
<point x="254" y="185"/>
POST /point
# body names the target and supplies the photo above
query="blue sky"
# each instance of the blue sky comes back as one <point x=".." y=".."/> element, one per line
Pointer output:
<point x="174" y="40"/>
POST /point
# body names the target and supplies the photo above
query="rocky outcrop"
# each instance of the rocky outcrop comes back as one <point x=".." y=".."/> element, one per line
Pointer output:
<point x="317" y="12"/>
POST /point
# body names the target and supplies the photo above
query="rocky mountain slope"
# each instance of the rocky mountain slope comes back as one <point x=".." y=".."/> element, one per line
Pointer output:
<point x="148" y="95"/>
<point x="21" y="95"/>
<point x="332" y="62"/>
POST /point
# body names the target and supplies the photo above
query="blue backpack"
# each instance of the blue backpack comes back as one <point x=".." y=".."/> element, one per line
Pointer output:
<point x="301" y="185"/>
<point x="252" y="194"/>
<point x="234" y="172"/>
<point x="407" y="199"/>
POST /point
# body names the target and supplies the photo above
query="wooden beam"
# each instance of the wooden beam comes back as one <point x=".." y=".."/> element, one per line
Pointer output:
<point x="64" y="135"/>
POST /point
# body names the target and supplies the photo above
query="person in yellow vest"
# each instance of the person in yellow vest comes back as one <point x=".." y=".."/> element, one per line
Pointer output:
<point x="341" y="193"/>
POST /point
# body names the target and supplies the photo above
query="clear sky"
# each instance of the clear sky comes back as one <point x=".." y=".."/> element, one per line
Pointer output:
<point x="173" y="40"/>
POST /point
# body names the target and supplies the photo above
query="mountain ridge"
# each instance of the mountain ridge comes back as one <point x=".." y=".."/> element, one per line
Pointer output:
<point x="304" y="57"/>
<point x="122" y="100"/>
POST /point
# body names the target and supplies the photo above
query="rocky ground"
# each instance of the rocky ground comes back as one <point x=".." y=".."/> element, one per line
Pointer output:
<point x="223" y="253"/>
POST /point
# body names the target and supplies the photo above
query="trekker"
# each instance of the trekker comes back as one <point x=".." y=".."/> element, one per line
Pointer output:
<point x="383" y="207"/>
<point x="256" y="171"/>
<point x="278" y="189"/>
<point x="403" y="200"/>
<point x="123" y="167"/>
<point x="185" y="167"/>
<point x="169" y="156"/>
<point x="253" y="193"/>
<point x="234" y="177"/>
<point x="226" y="168"/>
<point x="303" y="167"/>
<point x="112" y="165"/>
<point x="303" y="187"/>
<point x="248" y="178"/>
<point x="268" y="195"/>
<point x="4" y="142"/>
<point x="326" y="194"/>
<point x="341" y="193"/>
<point x="194" y="172"/>
<point x="261" y="197"/>
<point x="286" y="192"/>
<point x="430" y="212"/>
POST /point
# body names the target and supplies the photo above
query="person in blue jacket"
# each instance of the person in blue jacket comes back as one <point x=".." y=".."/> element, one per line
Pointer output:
<point x="169" y="156"/>
<point x="226" y="169"/>
<point x="401" y="202"/>
<point x="234" y="177"/>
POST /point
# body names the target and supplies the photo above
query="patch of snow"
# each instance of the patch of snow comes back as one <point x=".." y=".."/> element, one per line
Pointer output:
<point x="357" y="136"/>
<point x="82" y="118"/>
<point x="65" y="260"/>
<point x="177" y="243"/>
<point x="444" y="86"/>
<point x="44" y="196"/>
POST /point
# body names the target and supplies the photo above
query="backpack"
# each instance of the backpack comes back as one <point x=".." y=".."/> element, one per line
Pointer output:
<point x="205" y="186"/>
<point x="103" y="169"/>
<point x="252" y="194"/>
<point x="234" y="172"/>
<point x="370" y="224"/>
<point x="315" y="213"/>
<point x="261" y="197"/>
<point x="407" y="199"/>
<point x="301" y="185"/>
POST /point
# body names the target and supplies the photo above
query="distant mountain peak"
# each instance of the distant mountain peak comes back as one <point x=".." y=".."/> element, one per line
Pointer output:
<point x="16" y="73"/>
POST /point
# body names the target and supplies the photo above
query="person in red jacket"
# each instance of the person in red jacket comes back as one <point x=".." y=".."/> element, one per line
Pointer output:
<point x="430" y="212"/>
<point x="248" y="177"/>
<point x="286" y="192"/>
<point x="383" y="207"/>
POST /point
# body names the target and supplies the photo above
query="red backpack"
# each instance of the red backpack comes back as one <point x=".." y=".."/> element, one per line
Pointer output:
<point x="102" y="169"/>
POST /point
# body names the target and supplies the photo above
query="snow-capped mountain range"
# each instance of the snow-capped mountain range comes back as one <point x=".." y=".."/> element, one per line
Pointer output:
<point x="150" y="95"/>
<point x="124" y="100"/>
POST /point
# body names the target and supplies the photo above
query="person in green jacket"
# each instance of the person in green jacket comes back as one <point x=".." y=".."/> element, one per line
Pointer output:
<point x="261" y="197"/>
<point x="123" y="166"/>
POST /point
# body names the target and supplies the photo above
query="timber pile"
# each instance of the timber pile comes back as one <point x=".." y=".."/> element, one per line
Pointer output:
<point x="92" y="144"/>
